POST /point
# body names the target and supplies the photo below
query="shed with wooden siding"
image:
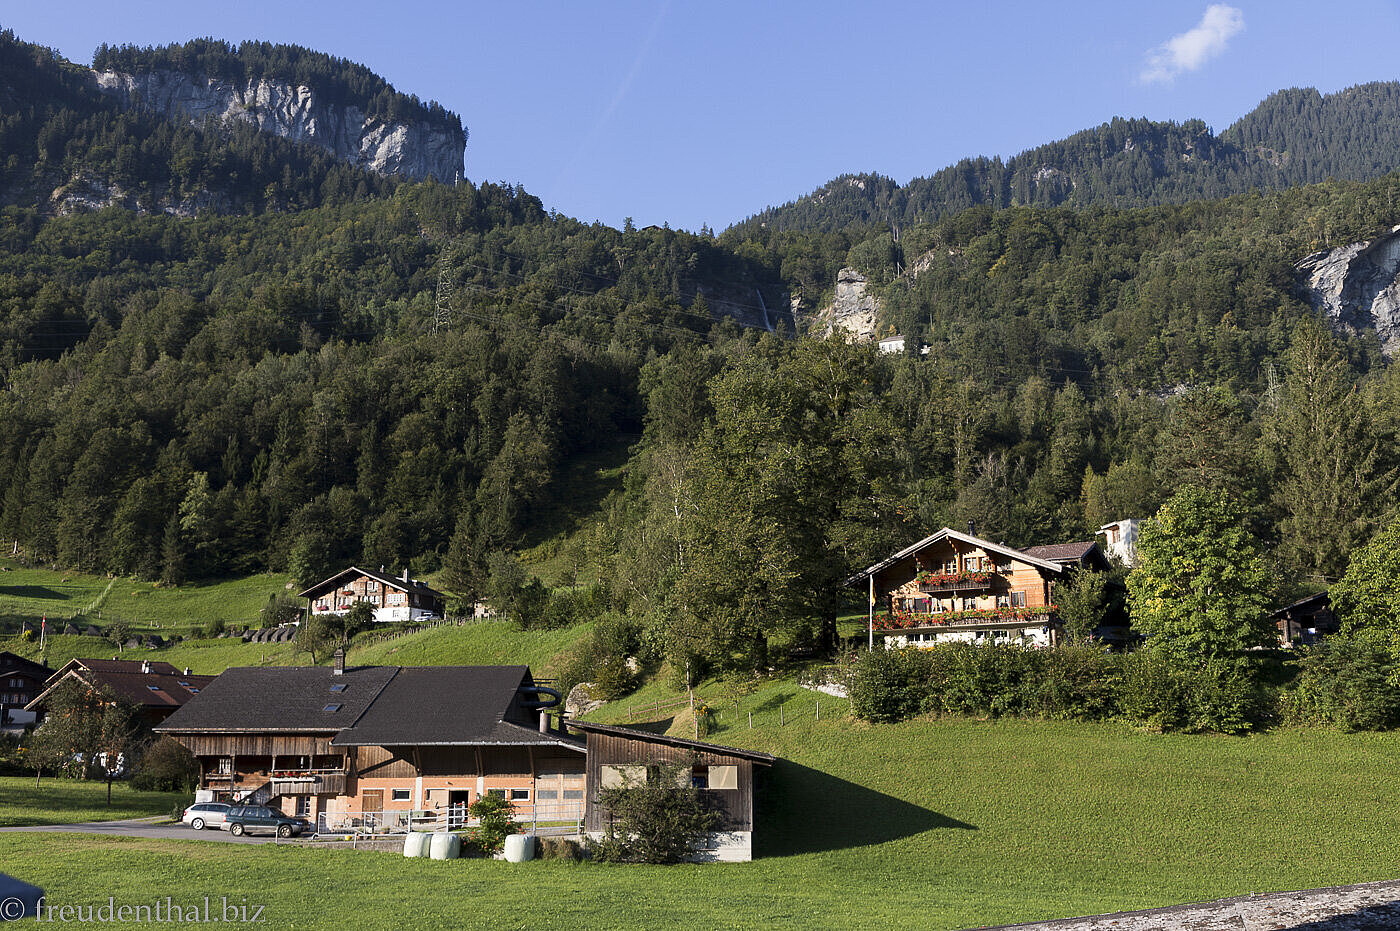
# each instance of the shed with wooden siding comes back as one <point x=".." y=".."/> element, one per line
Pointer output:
<point x="724" y="775"/>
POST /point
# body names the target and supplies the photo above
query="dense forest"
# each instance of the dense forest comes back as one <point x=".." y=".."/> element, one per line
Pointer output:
<point x="416" y="373"/>
<point x="339" y="81"/>
<point x="1295" y="137"/>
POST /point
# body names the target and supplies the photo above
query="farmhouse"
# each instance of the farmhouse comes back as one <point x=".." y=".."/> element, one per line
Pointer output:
<point x="956" y="586"/>
<point x="389" y="748"/>
<point x="20" y="681"/>
<point x="156" y="689"/>
<point x="401" y="599"/>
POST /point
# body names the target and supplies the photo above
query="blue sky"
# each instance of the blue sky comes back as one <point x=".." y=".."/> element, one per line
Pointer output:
<point x="705" y="112"/>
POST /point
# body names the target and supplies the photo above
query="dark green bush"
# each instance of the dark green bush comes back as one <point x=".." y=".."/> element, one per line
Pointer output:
<point x="889" y="685"/>
<point x="1345" y="682"/>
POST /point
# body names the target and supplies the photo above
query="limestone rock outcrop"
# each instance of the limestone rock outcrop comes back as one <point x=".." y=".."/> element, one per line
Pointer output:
<point x="414" y="149"/>
<point x="1357" y="287"/>
<point x="853" y="309"/>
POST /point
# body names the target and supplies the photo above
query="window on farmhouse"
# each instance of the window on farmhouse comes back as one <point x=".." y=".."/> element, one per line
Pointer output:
<point x="1003" y="600"/>
<point x="611" y="775"/>
<point x="1018" y="599"/>
<point x="401" y="795"/>
<point x="519" y="795"/>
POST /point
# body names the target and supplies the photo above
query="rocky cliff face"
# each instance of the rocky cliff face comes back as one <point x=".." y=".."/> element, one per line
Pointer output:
<point x="417" y="150"/>
<point x="852" y="310"/>
<point x="1357" y="287"/>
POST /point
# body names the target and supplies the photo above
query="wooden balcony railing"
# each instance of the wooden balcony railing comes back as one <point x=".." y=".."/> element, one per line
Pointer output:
<point x="984" y="617"/>
<point x="965" y="585"/>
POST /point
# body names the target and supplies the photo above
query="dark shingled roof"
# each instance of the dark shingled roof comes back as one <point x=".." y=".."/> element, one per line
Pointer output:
<point x="381" y="706"/>
<point x="1061" y="552"/>
<point x="163" y="687"/>
<point x="260" y="698"/>
<point x="13" y="662"/>
<point x="450" y="705"/>
<point x="612" y="730"/>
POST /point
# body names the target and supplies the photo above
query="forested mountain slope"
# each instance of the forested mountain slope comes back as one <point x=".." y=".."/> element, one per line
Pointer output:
<point x="1296" y="136"/>
<point x="66" y="146"/>
<point x="291" y="92"/>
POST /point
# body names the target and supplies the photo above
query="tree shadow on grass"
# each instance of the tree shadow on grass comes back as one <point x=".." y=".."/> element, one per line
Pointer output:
<point x="651" y="727"/>
<point x="804" y="810"/>
<point x="31" y="591"/>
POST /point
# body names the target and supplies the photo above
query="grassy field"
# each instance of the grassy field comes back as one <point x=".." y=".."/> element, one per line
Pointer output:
<point x="67" y="801"/>
<point x="26" y="594"/>
<point x="928" y="824"/>
<point x="487" y="643"/>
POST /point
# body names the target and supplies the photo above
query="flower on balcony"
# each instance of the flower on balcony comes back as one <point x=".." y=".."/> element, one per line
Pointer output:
<point x="906" y="620"/>
<point x="943" y="577"/>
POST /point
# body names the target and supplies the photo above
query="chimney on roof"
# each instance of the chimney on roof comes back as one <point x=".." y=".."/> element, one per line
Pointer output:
<point x="971" y="529"/>
<point x="405" y="574"/>
<point x="339" y="668"/>
<point x="544" y="721"/>
<point x="187" y="671"/>
<point x="146" y="666"/>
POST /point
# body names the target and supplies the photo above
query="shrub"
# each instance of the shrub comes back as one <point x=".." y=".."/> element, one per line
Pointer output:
<point x="656" y="821"/>
<point x="1345" y="682"/>
<point x="1224" y="695"/>
<point x="1076" y="682"/>
<point x="603" y="658"/>
<point x="493" y="814"/>
<point x="889" y="685"/>
<point x="166" y="767"/>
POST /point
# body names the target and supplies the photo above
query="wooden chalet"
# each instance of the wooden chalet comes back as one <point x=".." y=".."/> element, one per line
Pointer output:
<point x="393" y="599"/>
<point x="1306" y="620"/>
<point x="953" y="586"/>
<point x="21" y="680"/>
<point x="389" y="747"/>
<point x="157" y="689"/>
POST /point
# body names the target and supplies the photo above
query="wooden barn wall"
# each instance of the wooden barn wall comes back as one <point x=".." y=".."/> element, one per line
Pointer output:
<point x="734" y="805"/>
<point x="381" y="762"/>
<point x="257" y="744"/>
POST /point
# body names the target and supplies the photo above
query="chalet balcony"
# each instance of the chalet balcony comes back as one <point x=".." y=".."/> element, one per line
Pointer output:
<point x="946" y="583"/>
<point x="966" y="620"/>
<point x="281" y="782"/>
<point x="309" y="783"/>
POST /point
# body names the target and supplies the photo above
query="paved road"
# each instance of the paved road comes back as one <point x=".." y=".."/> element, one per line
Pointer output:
<point x="146" y="828"/>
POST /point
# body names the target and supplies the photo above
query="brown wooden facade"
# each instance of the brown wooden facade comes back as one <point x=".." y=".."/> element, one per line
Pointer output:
<point x="614" y="747"/>
<point x="954" y="586"/>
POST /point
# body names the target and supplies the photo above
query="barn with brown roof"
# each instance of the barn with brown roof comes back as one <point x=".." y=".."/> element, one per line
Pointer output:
<point x="386" y="748"/>
<point x="157" y="689"/>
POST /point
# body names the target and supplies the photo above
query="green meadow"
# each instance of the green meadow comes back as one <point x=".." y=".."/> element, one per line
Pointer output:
<point x="926" y="824"/>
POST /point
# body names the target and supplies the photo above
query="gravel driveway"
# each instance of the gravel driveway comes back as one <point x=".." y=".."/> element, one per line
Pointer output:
<point x="145" y="827"/>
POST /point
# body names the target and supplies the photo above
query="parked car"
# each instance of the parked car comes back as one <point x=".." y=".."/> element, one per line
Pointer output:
<point x="203" y="815"/>
<point x="253" y="819"/>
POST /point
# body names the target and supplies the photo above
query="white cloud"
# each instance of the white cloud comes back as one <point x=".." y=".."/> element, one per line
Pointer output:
<point x="1193" y="48"/>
